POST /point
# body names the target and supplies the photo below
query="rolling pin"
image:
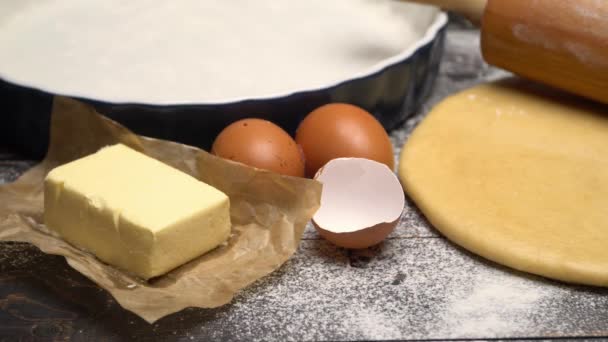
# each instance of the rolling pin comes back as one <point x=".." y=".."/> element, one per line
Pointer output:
<point x="562" y="43"/>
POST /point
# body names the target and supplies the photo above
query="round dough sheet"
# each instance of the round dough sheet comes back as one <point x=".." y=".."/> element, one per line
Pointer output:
<point x="517" y="175"/>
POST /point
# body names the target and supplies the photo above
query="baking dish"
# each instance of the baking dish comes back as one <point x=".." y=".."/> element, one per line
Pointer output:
<point x="391" y="89"/>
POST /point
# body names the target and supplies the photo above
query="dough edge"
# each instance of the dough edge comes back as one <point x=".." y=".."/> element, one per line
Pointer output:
<point x="486" y="245"/>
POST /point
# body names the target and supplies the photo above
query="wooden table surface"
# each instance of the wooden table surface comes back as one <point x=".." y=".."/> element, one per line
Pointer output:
<point x="416" y="285"/>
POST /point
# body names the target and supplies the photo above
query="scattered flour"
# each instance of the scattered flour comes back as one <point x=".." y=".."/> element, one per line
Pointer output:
<point x="534" y="36"/>
<point x="372" y="325"/>
<point x="17" y="255"/>
<point x="423" y="288"/>
<point x="492" y="307"/>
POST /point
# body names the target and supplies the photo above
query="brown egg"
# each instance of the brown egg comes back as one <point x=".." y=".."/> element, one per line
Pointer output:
<point x="340" y="130"/>
<point x="261" y="144"/>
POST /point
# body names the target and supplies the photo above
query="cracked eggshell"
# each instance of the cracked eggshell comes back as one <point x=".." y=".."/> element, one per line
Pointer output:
<point x="361" y="202"/>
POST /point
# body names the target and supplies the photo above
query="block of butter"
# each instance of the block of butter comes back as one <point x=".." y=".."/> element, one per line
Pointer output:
<point x="134" y="212"/>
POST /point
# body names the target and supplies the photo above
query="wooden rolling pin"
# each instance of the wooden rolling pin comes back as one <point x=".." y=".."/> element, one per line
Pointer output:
<point x="563" y="43"/>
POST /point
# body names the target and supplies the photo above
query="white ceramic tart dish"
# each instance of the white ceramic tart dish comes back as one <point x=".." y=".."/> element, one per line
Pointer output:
<point x="184" y="70"/>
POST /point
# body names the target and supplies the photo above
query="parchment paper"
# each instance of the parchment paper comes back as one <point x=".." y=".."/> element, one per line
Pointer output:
<point x="269" y="213"/>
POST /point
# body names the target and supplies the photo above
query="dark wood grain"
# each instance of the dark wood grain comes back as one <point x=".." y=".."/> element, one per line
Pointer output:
<point x="41" y="297"/>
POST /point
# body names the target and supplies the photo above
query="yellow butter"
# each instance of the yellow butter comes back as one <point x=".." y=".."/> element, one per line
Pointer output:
<point x="134" y="212"/>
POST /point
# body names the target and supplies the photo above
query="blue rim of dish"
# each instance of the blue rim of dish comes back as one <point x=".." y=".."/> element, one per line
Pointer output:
<point x="391" y="91"/>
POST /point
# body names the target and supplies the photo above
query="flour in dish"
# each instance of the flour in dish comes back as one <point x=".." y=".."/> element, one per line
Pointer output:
<point x="200" y="51"/>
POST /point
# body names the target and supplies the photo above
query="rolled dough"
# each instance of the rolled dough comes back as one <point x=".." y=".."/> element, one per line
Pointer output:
<point x="517" y="175"/>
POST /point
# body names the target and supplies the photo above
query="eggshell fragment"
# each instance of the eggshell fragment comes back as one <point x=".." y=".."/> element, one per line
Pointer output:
<point x="361" y="202"/>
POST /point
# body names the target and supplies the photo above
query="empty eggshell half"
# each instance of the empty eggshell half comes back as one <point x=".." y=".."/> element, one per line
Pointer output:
<point x="361" y="202"/>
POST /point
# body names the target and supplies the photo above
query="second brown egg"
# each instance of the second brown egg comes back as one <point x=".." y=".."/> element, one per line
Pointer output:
<point x="340" y="130"/>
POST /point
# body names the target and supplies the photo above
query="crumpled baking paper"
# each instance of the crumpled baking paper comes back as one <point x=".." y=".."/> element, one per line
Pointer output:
<point x="269" y="213"/>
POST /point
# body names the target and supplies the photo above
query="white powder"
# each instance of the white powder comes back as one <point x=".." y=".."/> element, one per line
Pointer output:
<point x="590" y="9"/>
<point x="373" y="325"/>
<point x="410" y="288"/>
<point x="200" y="51"/>
<point x="590" y="18"/>
<point x="533" y="36"/>
<point x="16" y="255"/>
<point x="492" y="307"/>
